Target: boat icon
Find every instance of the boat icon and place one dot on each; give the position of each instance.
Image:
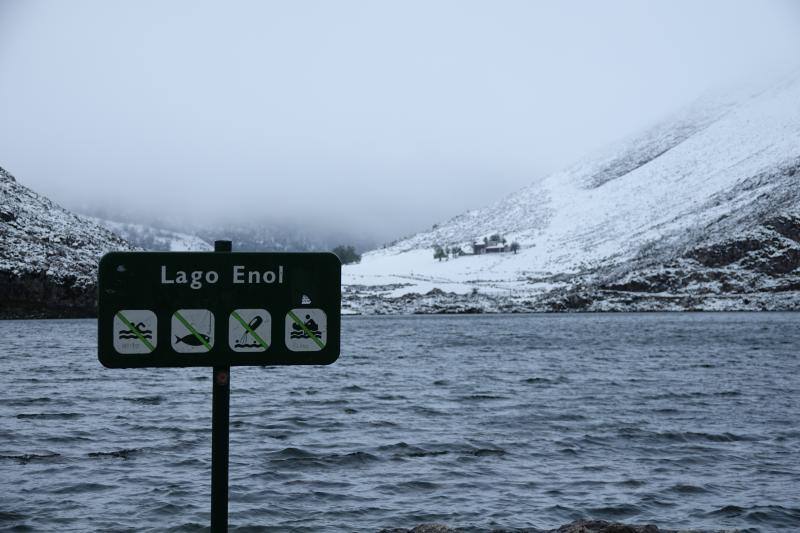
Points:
(299, 332)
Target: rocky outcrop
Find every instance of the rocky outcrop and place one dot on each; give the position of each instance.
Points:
(759, 269)
(37, 295)
(48, 256)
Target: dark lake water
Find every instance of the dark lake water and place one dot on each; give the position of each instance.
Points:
(682, 420)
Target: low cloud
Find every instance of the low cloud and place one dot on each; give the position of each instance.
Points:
(376, 119)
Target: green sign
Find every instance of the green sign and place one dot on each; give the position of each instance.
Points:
(178, 309)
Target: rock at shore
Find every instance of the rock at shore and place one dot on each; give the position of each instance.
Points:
(579, 526)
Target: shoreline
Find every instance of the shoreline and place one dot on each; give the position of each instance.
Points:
(347, 313)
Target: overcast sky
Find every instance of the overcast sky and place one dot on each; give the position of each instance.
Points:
(376, 116)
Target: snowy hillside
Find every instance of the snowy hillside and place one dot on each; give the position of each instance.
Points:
(150, 238)
(700, 212)
(48, 256)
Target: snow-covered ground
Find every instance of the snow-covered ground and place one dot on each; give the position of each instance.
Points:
(702, 176)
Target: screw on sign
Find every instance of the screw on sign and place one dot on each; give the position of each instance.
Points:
(222, 378)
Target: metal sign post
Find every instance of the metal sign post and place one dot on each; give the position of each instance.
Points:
(220, 434)
(212, 309)
(220, 440)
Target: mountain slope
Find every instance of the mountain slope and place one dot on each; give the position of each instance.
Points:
(708, 202)
(48, 256)
(151, 238)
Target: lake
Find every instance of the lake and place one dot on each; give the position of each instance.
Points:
(682, 420)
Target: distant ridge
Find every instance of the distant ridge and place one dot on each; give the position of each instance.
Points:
(252, 233)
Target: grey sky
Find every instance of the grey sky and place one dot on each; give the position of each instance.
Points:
(381, 117)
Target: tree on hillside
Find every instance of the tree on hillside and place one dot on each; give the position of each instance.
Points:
(347, 254)
(514, 246)
(438, 252)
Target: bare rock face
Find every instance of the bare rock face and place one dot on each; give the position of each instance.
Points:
(48, 256)
(757, 269)
(786, 225)
(601, 526)
(6, 176)
(727, 252)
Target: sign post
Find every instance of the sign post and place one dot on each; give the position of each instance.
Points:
(213, 309)
(220, 434)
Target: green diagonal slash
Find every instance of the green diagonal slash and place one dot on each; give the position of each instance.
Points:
(192, 330)
(247, 328)
(306, 330)
(135, 331)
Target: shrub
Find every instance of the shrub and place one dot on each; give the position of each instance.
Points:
(347, 254)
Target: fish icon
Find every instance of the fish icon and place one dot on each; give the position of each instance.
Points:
(191, 339)
(192, 330)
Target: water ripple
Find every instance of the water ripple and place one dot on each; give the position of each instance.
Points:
(519, 421)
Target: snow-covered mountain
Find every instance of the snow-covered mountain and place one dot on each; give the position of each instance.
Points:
(699, 212)
(157, 239)
(48, 256)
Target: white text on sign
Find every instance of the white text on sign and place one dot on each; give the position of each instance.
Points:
(240, 276)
